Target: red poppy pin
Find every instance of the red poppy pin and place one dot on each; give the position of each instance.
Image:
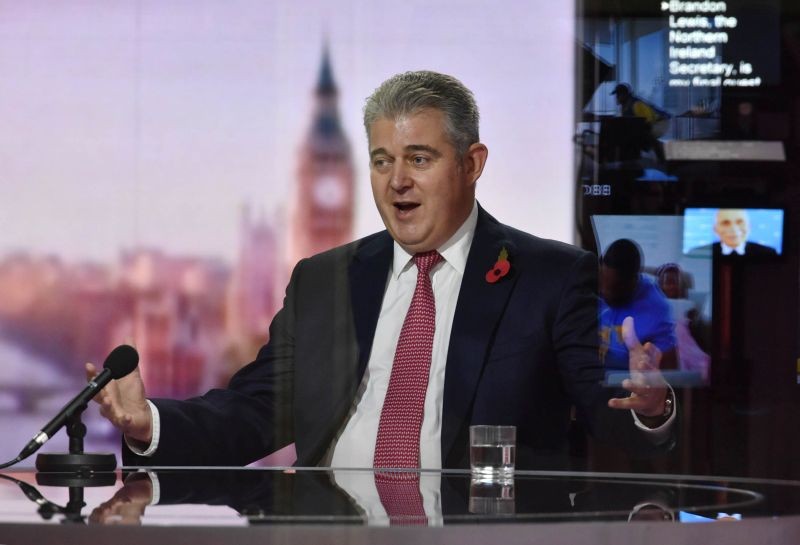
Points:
(500, 268)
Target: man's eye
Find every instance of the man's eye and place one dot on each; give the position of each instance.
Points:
(380, 163)
(419, 160)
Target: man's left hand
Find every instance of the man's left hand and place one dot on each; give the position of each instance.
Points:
(646, 384)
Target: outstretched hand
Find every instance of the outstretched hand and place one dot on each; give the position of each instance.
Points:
(123, 403)
(646, 384)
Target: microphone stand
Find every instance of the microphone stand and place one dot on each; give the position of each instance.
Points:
(76, 460)
(72, 511)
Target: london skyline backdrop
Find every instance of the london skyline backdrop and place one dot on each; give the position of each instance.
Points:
(135, 131)
(149, 124)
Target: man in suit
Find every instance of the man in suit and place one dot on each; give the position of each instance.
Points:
(387, 349)
(732, 226)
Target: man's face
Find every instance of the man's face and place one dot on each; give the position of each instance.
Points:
(732, 227)
(615, 288)
(422, 189)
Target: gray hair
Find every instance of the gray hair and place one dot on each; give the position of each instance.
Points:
(407, 93)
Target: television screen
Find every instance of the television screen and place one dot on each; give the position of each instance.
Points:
(671, 305)
(733, 232)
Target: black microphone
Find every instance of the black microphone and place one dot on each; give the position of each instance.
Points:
(121, 361)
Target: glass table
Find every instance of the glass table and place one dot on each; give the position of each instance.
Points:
(221, 505)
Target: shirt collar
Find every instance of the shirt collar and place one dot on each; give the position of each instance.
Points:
(454, 251)
(727, 250)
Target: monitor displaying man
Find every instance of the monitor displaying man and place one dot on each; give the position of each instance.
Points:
(731, 233)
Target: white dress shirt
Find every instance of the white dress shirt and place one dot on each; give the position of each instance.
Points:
(728, 250)
(355, 447)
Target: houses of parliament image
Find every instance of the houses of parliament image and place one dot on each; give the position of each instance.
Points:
(194, 319)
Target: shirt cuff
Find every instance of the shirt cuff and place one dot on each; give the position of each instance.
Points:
(151, 449)
(662, 433)
(155, 485)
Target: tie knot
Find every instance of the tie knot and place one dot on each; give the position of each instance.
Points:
(425, 261)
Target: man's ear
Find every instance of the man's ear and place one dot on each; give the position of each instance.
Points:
(474, 161)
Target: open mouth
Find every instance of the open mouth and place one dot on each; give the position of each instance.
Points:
(406, 206)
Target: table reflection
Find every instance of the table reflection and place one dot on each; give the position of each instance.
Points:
(128, 504)
(491, 496)
(347, 496)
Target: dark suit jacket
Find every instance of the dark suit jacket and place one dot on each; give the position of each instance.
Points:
(751, 249)
(522, 351)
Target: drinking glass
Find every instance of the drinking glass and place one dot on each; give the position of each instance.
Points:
(492, 451)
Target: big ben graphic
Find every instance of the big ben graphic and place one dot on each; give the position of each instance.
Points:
(322, 207)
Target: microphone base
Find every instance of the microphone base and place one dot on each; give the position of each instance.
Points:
(76, 463)
(82, 480)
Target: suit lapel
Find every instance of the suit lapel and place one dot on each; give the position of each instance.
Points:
(351, 314)
(368, 273)
(479, 308)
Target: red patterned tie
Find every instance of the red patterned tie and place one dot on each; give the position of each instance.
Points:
(397, 445)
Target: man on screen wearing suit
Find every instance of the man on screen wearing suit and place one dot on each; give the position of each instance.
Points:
(732, 226)
(372, 363)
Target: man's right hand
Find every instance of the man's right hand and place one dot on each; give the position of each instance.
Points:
(124, 404)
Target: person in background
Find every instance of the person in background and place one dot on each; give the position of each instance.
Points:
(656, 120)
(626, 291)
(690, 356)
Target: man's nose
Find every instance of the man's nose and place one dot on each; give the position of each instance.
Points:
(400, 179)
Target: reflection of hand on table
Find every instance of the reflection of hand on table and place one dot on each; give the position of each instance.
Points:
(128, 504)
(647, 387)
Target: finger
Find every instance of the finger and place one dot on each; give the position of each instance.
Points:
(91, 371)
(638, 362)
(649, 404)
(108, 412)
(116, 420)
(100, 397)
(636, 387)
(108, 394)
(653, 355)
(629, 336)
(644, 389)
(103, 397)
(648, 377)
(627, 403)
(114, 414)
(641, 405)
(121, 419)
(107, 404)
